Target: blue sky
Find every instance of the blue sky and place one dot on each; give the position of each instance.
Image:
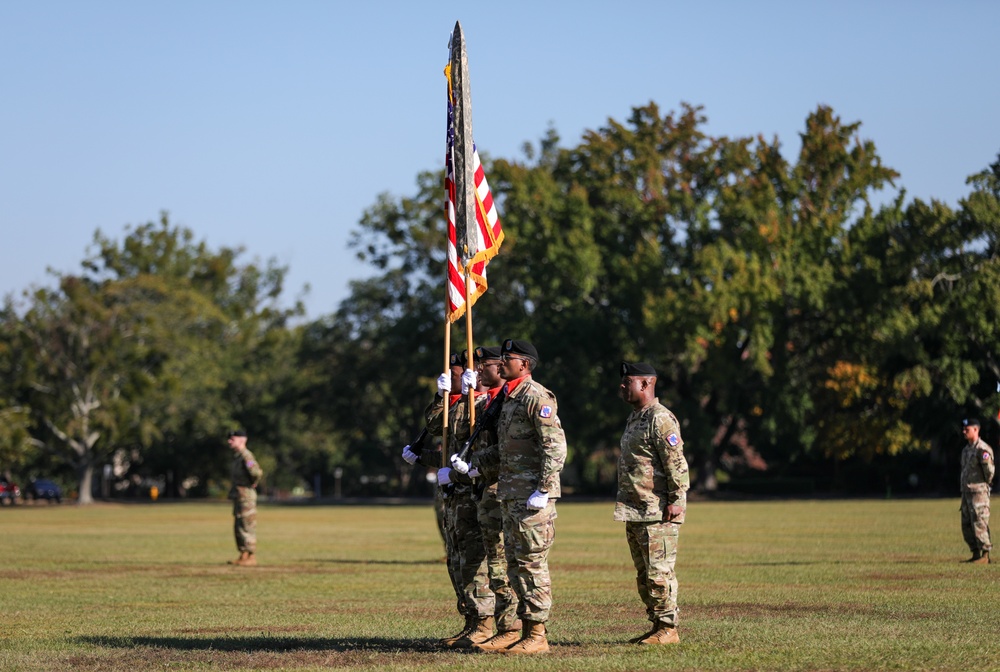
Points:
(274, 125)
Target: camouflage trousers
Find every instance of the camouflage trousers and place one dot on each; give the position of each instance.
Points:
(529, 535)
(442, 515)
(491, 523)
(976, 519)
(653, 546)
(467, 558)
(245, 520)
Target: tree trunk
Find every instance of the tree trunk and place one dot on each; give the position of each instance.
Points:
(85, 482)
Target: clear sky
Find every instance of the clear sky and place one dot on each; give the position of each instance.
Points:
(274, 125)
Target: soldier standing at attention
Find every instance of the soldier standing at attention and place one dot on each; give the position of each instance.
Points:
(467, 554)
(977, 475)
(484, 467)
(653, 482)
(532, 448)
(246, 474)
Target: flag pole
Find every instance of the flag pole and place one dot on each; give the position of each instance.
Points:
(468, 340)
(447, 396)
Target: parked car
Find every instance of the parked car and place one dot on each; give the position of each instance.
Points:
(9, 492)
(42, 488)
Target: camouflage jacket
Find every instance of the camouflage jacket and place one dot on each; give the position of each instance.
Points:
(652, 471)
(458, 430)
(977, 466)
(531, 441)
(486, 456)
(246, 472)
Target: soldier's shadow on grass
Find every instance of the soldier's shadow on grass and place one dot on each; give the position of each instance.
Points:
(345, 561)
(267, 644)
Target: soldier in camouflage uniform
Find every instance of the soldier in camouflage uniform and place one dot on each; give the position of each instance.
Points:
(652, 497)
(483, 466)
(246, 473)
(532, 449)
(466, 551)
(976, 478)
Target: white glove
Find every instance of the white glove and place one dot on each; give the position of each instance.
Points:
(538, 500)
(444, 476)
(468, 381)
(409, 456)
(444, 383)
(459, 465)
(474, 472)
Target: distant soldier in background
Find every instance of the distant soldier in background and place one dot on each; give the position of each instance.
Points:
(246, 473)
(653, 482)
(532, 454)
(976, 478)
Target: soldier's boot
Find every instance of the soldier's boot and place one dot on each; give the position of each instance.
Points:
(482, 629)
(239, 560)
(533, 640)
(636, 640)
(976, 554)
(663, 634)
(249, 561)
(501, 640)
(983, 559)
(450, 641)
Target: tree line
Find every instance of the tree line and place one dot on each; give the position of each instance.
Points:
(813, 329)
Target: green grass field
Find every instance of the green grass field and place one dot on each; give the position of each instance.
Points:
(797, 585)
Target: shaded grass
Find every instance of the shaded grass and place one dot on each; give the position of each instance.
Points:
(803, 585)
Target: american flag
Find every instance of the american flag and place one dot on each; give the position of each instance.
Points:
(483, 239)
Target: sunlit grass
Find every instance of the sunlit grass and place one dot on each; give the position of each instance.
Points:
(798, 585)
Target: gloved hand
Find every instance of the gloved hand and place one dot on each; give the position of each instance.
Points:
(474, 472)
(468, 381)
(444, 476)
(538, 500)
(409, 456)
(444, 383)
(459, 465)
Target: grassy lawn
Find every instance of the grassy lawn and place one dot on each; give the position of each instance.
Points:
(797, 585)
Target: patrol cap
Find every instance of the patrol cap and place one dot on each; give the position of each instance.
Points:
(970, 422)
(637, 369)
(236, 432)
(488, 352)
(513, 346)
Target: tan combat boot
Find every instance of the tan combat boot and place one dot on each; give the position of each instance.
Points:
(636, 640)
(239, 560)
(532, 641)
(498, 642)
(482, 629)
(249, 561)
(450, 641)
(981, 558)
(663, 634)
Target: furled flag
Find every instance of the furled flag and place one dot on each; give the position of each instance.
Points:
(474, 245)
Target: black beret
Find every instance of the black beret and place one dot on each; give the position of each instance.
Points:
(456, 359)
(488, 352)
(637, 369)
(514, 346)
(236, 432)
(970, 422)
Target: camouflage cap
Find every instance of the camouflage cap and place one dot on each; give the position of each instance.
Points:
(637, 369)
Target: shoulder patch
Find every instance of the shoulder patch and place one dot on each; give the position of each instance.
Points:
(673, 439)
(986, 456)
(250, 463)
(545, 411)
